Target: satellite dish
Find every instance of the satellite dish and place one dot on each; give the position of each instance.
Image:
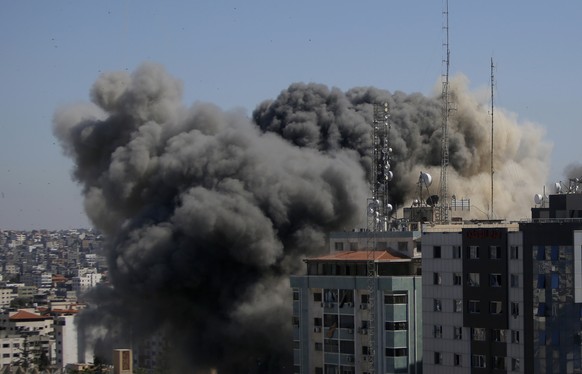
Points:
(425, 178)
(432, 200)
(387, 166)
(558, 187)
(538, 198)
(389, 208)
(389, 176)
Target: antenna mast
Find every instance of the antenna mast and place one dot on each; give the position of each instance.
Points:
(492, 170)
(379, 210)
(443, 212)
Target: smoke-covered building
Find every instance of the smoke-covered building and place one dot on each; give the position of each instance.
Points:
(505, 297)
(333, 325)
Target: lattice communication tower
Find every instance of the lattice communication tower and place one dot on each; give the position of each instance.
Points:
(379, 211)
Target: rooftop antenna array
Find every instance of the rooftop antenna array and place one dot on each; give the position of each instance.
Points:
(492, 170)
(443, 211)
(379, 211)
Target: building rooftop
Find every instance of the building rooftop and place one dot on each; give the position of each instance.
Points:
(23, 315)
(379, 256)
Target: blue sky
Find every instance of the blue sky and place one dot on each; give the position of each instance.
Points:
(237, 54)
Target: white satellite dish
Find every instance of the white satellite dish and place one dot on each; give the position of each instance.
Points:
(389, 176)
(425, 178)
(538, 198)
(389, 208)
(558, 187)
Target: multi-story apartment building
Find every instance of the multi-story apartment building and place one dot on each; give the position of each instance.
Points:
(503, 297)
(71, 346)
(334, 325)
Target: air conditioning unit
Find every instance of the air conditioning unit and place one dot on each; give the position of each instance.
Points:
(350, 331)
(364, 331)
(350, 304)
(317, 329)
(363, 306)
(350, 358)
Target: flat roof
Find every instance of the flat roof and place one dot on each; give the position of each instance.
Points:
(361, 256)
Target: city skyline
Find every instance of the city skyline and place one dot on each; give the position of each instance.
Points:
(236, 56)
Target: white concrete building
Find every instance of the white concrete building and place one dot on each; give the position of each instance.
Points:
(71, 347)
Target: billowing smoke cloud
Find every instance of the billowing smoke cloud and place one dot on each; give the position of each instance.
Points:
(314, 116)
(206, 217)
(208, 212)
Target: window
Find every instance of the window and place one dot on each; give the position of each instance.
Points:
(295, 321)
(458, 332)
(436, 278)
(495, 252)
(555, 281)
(541, 310)
(456, 251)
(317, 296)
(473, 279)
(555, 252)
(318, 346)
(365, 299)
(515, 336)
(458, 306)
(495, 307)
(514, 252)
(437, 331)
(499, 362)
(331, 345)
(296, 344)
(542, 337)
(541, 281)
(514, 280)
(295, 295)
(457, 359)
(392, 326)
(514, 309)
(498, 335)
(474, 307)
(317, 322)
(474, 252)
(541, 254)
(437, 305)
(339, 246)
(515, 364)
(556, 337)
(436, 251)
(457, 279)
(396, 352)
(495, 280)
(347, 346)
(318, 370)
(478, 361)
(353, 246)
(396, 298)
(438, 358)
(478, 334)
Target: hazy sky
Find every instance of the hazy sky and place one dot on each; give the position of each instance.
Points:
(237, 54)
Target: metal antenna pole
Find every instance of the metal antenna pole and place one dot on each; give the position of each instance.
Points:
(492, 169)
(444, 200)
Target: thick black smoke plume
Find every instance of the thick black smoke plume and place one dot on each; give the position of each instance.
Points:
(313, 116)
(206, 218)
(207, 212)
